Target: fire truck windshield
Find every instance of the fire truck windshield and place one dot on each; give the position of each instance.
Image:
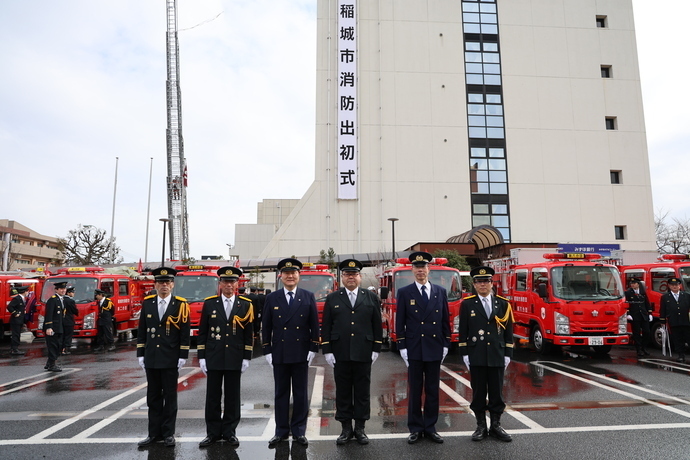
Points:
(319, 285)
(685, 276)
(83, 289)
(575, 282)
(195, 288)
(449, 279)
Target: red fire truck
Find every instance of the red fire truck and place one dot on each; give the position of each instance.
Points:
(654, 276)
(195, 283)
(125, 288)
(317, 279)
(568, 299)
(400, 275)
(8, 281)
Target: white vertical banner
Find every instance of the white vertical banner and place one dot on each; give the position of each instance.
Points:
(348, 155)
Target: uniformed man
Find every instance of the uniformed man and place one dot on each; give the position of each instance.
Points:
(675, 308)
(68, 320)
(224, 345)
(290, 337)
(162, 350)
(486, 345)
(17, 309)
(52, 325)
(104, 339)
(352, 335)
(423, 340)
(640, 315)
(258, 310)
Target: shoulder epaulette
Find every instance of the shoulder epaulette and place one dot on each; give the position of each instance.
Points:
(211, 297)
(54, 296)
(501, 297)
(244, 298)
(470, 296)
(150, 296)
(181, 299)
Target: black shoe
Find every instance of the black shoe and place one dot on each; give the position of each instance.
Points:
(434, 437)
(361, 436)
(480, 433)
(681, 359)
(344, 437)
(169, 441)
(301, 440)
(148, 441)
(47, 366)
(232, 440)
(16, 352)
(275, 440)
(498, 432)
(413, 438)
(55, 368)
(111, 348)
(208, 440)
(66, 352)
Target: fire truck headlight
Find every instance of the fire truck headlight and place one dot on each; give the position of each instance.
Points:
(562, 324)
(456, 324)
(89, 321)
(40, 322)
(623, 324)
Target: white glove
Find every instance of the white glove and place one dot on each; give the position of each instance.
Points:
(403, 355)
(445, 353)
(141, 363)
(651, 318)
(629, 318)
(310, 357)
(507, 361)
(180, 363)
(330, 359)
(374, 357)
(202, 365)
(466, 360)
(245, 365)
(269, 359)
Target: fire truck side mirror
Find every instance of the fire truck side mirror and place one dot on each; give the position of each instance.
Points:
(384, 292)
(541, 288)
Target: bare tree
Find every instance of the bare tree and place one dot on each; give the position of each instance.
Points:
(672, 237)
(88, 245)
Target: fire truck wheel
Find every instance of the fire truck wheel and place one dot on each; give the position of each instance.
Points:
(657, 336)
(538, 342)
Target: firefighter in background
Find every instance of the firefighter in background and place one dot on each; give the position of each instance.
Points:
(486, 346)
(17, 309)
(640, 315)
(68, 320)
(52, 325)
(225, 344)
(423, 339)
(258, 310)
(105, 323)
(162, 350)
(675, 308)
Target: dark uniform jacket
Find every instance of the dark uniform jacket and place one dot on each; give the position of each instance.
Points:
(70, 311)
(425, 332)
(105, 312)
(224, 342)
(290, 333)
(486, 340)
(17, 308)
(53, 316)
(162, 341)
(639, 306)
(352, 333)
(676, 312)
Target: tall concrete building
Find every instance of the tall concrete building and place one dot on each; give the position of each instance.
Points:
(522, 115)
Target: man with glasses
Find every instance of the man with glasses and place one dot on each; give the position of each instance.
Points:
(675, 309)
(52, 325)
(486, 346)
(352, 335)
(423, 340)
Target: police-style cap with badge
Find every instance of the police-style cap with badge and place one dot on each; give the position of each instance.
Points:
(164, 274)
(635, 280)
(99, 291)
(482, 273)
(229, 273)
(60, 284)
(70, 288)
(674, 281)
(350, 265)
(21, 289)
(289, 264)
(420, 258)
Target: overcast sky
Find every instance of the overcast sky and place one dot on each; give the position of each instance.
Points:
(83, 82)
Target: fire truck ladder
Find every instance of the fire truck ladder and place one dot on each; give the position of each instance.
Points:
(177, 168)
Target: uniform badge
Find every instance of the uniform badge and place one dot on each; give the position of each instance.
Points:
(153, 336)
(153, 329)
(213, 316)
(148, 316)
(276, 308)
(218, 337)
(214, 312)
(412, 302)
(474, 339)
(472, 313)
(481, 338)
(481, 331)
(148, 329)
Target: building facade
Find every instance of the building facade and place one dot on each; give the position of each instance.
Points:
(522, 115)
(25, 249)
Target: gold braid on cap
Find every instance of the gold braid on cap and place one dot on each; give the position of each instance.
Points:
(246, 319)
(182, 316)
(501, 322)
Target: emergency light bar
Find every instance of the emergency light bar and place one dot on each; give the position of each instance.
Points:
(434, 261)
(675, 256)
(572, 256)
(196, 267)
(81, 270)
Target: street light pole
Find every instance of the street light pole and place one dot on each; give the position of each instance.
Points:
(165, 221)
(393, 221)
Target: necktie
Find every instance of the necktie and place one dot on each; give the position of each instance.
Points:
(291, 294)
(161, 309)
(353, 299)
(425, 297)
(227, 308)
(487, 307)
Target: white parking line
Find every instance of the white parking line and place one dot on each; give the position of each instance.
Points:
(53, 376)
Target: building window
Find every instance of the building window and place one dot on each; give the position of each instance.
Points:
(602, 22)
(620, 232)
(616, 177)
(611, 123)
(606, 71)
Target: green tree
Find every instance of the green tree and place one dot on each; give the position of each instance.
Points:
(328, 257)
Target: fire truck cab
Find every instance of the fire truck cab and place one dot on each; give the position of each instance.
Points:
(568, 299)
(317, 279)
(195, 283)
(8, 281)
(400, 275)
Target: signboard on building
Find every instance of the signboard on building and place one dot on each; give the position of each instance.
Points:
(348, 155)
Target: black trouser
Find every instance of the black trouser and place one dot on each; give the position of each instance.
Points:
(226, 384)
(16, 329)
(641, 334)
(293, 375)
(680, 336)
(352, 390)
(53, 344)
(161, 397)
(423, 376)
(67, 334)
(485, 378)
(105, 335)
